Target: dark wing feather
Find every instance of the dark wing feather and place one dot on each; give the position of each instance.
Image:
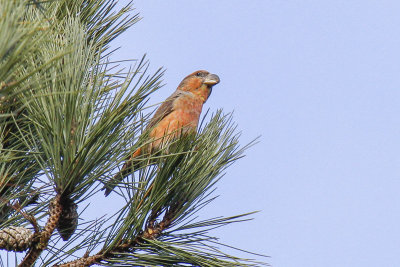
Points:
(166, 108)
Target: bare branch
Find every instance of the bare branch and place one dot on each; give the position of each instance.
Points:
(42, 238)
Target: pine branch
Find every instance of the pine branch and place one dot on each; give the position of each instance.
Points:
(42, 238)
(169, 194)
(69, 118)
(152, 231)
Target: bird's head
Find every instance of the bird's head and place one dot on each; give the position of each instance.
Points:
(199, 83)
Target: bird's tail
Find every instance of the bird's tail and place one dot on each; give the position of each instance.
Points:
(128, 168)
(110, 185)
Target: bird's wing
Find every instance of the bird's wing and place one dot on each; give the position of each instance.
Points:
(166, 108)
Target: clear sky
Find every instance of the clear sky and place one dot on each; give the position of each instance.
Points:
(320, 82)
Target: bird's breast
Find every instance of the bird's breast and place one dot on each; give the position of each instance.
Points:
(186, 114)
(183, 119)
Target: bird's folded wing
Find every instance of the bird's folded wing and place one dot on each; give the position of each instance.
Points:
(166, 108)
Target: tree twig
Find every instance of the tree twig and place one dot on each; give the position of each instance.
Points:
(41, 239)
(152, 231)
(16, 206)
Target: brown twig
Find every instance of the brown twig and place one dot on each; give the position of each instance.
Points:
(41, 239)
(3, 84)
(16, 206)
(152, 231)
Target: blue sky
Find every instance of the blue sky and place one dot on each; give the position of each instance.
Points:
(319, 81)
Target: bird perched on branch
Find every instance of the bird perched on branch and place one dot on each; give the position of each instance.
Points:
(178, 115)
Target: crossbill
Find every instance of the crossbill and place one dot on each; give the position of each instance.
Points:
(178, 115)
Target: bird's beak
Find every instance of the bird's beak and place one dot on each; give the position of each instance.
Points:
(211, 79)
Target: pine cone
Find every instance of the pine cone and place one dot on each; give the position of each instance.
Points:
(15, 238)
(68, 220)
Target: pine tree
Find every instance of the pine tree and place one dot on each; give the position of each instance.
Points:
(69, 117)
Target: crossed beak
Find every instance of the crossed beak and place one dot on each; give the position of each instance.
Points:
(211, 79)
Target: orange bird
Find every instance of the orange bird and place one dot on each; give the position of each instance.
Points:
(178, 115)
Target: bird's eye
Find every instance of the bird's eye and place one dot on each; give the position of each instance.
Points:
(199, 74)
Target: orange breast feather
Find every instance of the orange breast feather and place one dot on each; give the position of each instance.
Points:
(183, 119)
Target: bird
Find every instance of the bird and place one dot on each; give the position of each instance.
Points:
(177, 116)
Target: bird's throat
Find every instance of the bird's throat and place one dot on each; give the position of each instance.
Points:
(203, 92)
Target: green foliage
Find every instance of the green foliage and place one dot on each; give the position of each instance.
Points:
(21, 34)
(68, 119)
(181, 183)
